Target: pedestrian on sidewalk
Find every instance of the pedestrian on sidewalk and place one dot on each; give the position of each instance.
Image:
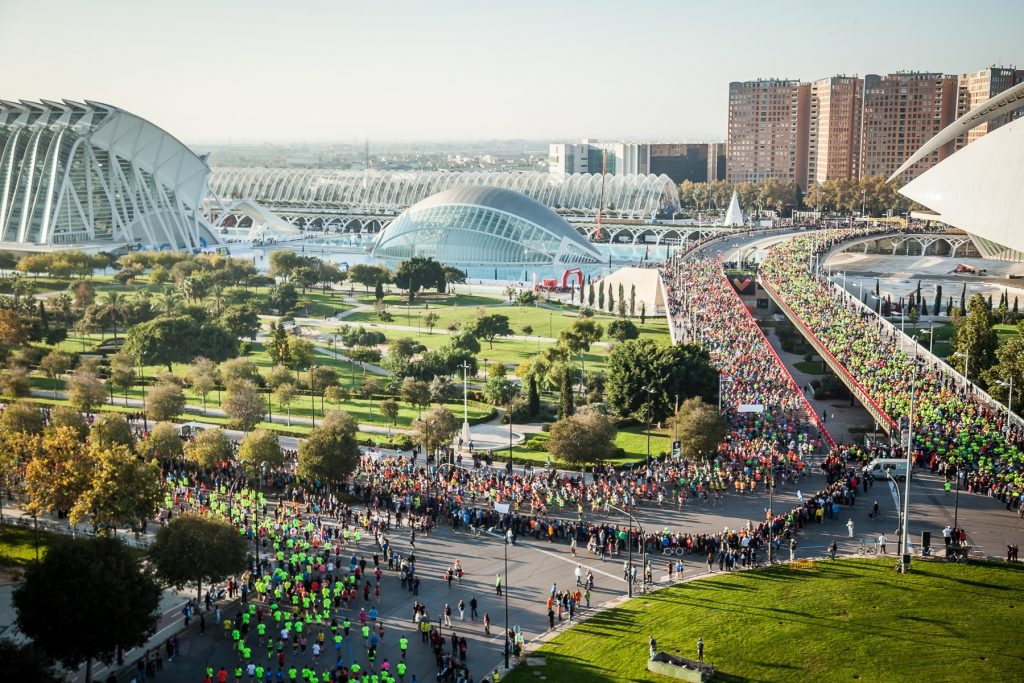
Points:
(849, 527)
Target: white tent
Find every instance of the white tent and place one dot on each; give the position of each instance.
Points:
(734, 217)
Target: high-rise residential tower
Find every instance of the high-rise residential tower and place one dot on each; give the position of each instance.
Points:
(768, 124)
(980, 86)
(901, 112)
(833, 147)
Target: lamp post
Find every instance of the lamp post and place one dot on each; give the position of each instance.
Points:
(966, 355)
(505, 591)
(650, 418)
(312, 395)
(904, 552)
(142, 383)
(1009, 405)
(629, 544)
(722, 379)
(465, 403)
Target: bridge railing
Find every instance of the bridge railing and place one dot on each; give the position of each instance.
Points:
(880, 416)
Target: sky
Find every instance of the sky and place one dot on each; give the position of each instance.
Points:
(219, 71)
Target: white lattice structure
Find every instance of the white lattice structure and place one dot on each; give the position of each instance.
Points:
(629, 196)
(76, 173)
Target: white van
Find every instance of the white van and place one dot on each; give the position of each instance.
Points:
(897, 468)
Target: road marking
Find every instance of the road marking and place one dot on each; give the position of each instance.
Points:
(572, 560)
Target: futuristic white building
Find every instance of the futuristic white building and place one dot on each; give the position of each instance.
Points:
(479, 226)
(617, 196)
(978, 189)
(92, 175)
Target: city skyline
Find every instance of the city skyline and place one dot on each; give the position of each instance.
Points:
(319, 72)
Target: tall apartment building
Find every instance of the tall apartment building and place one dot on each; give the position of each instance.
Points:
(768, 131)
(833, 144)
(568, 158)
(980, 86)
(901, 112)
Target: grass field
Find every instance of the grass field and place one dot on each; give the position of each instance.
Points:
(836, 621)
(632, 440)
(17, 545)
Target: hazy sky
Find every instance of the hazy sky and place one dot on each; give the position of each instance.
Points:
(339, 70)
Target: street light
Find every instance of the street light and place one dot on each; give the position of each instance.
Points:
(650, 418)
(629, 545)
(465, 404)
(1009, 404)
(966, 355)
(505, 591)
(312, 394)
(904, 552)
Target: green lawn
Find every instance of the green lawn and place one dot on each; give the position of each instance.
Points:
(943, 344)
(836, 621)
(18, 545)
(810, 367)
(633, 440)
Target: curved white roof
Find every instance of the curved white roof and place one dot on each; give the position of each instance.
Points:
(76, 172)
(978, 189)
(1005, 102)
(629, 196)
(480, 225)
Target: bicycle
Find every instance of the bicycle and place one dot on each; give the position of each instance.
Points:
(867, 548)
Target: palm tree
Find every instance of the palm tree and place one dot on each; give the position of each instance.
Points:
(114, 308)
(168, 301)
(216, 295)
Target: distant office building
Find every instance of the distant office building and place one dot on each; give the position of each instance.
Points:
(901, 112)
(981, 86)
(768, 123)
(833, 145)
(697, 162)
(588, 156)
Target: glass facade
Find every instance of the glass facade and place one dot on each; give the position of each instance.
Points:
(468, 234)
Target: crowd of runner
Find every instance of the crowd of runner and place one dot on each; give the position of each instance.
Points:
(954, 431)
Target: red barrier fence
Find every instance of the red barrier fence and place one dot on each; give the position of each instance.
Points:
(833, 362)
(814, 415)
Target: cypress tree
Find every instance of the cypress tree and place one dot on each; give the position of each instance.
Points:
(963, 300)
(43, 320)
(533, 398)
(590, 295)
(924, 307)
(565, 401)
(1015, 305)
(938, 299)
(878, 292)
(990, 302)
(600, 296)
(378, 291)
(643, 311)
(611, 301)
(632, 300)
(622, 292)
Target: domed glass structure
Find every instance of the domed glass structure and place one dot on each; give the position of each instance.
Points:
(480, 226)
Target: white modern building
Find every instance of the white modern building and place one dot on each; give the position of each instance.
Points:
(978, 189)
(90, 175)
(592, 156)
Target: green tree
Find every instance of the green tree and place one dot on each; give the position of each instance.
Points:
(436, 428)
(111, 429)
(585, 438)
(58, 472)
(285, 394)
(76, 580)
(566, 403)
(85, 391)
(1009, 367)
(499, 391)
(260, 446)
(202, 377)
(632, 300)
(162, 443)
(193, 549)
(208, 448)
(122, 372)
(700, 428)
(239, 368)
(331, 451)
(975, 338)
(418, 273)
(611, 300)
(590, 295)
(27, 663)
(244, 404)
(21, 417)
(488, 327)
(15, 382)
(622, 330)
(369, 276)
(415, 392)
(683, 370)
(124, 490)
(600, 295)
(466, 340)
(282, 298)
(62, 416)
(179, 339)
(53, 365)
(278, 348)
(430, 321)
(580, 335)
(533, 397)
(165, 400)
(389, 409)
